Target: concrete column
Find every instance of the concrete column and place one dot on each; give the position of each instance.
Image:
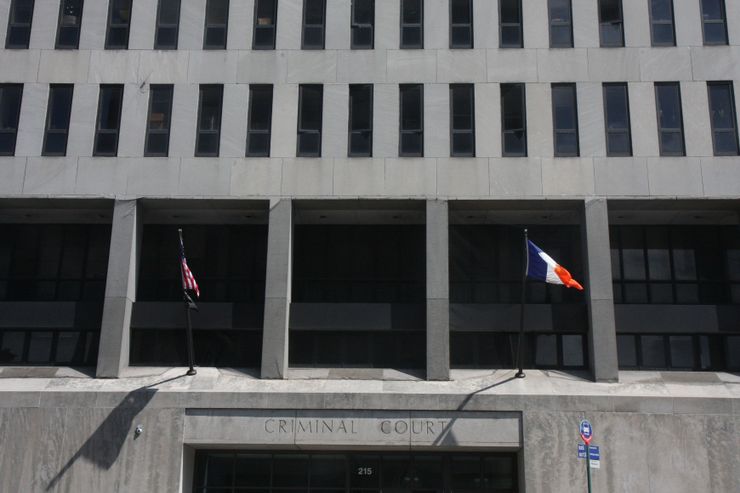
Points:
(602, 337)
(438, 291)
(277, 289)
(120, 289)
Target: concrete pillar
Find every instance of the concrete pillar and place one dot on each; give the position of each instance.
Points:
(438, 291)
(120, 289)
(278, 289)
(602, 340)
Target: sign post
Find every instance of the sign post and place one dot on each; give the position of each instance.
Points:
(587, 433)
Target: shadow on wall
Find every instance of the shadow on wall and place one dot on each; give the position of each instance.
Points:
(104, 446)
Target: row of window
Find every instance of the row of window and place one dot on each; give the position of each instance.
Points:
(313, 32)
(360, 126)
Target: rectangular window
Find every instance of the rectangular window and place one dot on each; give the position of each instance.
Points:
(168, 25)
(119, 20)
(723, 117)
(412, 24)
(109, 120)
(217, 20)
(411, 138)
(70, 20)
(159, 120)
(363, 24)
(561, 23)
(10, 111)
(19, 24)
(662, 31)
(617, 120)
(670, 119)
(462, 120)
(611, 23)
(461, 23)
(57, 119)
(565, 119)
(360, 120)
(513, 120)
(210, 101)
(265, 24)
(511, 34)
(310, 103)
(714, 22)
(314, 24)
(260, 120)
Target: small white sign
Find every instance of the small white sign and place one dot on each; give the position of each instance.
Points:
(595, 464)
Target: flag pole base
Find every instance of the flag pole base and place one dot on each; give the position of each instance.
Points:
(191, 372)
(520, 374)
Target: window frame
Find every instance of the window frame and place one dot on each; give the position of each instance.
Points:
(680, 130)
(558, 131)
(471, 93)
(350, 131)
(12, 25)
(47, 129)
(519, 25)
(569, 24)
(161, 25)
(304, 131)
(722, 21)
(157, 131)
(607, 131)
(14, 132)
(602, 44)
(268, 131)
(76, 45)
(419, 25)
(200, 131)
(212, 25)
(654, 23)
(731, 91)
(305, 25)
(256, 26)
(359, 25)
(109, 25)
(99, 131)
(468, 46)
(401, 130)
(504, 130)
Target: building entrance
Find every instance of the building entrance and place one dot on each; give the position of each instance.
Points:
(289, 472)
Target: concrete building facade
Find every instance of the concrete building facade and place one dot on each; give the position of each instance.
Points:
(357, 329)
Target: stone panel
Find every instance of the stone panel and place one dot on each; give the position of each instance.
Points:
(507, 65)
(262, 67)
(568, 176)
(675, 176)
(488, 120)
(32, 120)
(461, 65)
(516, 177)
(462, 177)
(43, 26)
(412, 66)
(436, 120)
(64, 66)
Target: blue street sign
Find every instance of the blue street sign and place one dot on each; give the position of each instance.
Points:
(593, 452)
(586, 429)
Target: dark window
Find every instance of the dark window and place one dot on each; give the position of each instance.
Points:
(461, 23)
(510, 23)
(561, 23)
(265, 24)
(462, 120)
(109, 120)
(217, 21)
(19, 24)
(209, 120)
(57, 119)
(168, 25)
(670, 119)
(617, 120)
(260, 120)
(363, 24)
(314, 24)
(714, 22)
(565, 119)
(70, 20)
(662, 31)
(310, 104)
(411, 138)
(119, 20)
(360, 120)
(10, 110)
(513, 120)
(412, 24)
(159, 120)
(611, 23)
(723, 117)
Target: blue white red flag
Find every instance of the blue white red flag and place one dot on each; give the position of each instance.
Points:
(542, 267)
(188, 279)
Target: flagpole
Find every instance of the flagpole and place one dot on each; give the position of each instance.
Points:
(519, 359)
(188, 306)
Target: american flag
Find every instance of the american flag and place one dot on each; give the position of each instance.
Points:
(188, 279)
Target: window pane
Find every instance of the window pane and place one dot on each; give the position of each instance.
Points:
(310, 107)
(411, 37)
(462, 107)
(619, 144)
(670, 106)
(11, 349)
(722, 112)
(362, 37)
(66, 347)
(110, 107)
(661, 10)
(460, 11)
(411, 107)
(252, 471)
(411, 12)
(653, 352)
(70, 18)
(210, 108)
(715, 33)
(313, 37)
(39, 348)
(328, 471)
(510, 11)
(314, 11)
(572, 350)
(617, 111)
(663, 34)
(169, 11)
(511, 37)
(217, 12)
(290, 471)
(260, 107)
(626, 351)
(682, 352)
(264, 37)
(546, 350)
(565, 118)
(361, 107)
(712, 9)
(363, 11)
